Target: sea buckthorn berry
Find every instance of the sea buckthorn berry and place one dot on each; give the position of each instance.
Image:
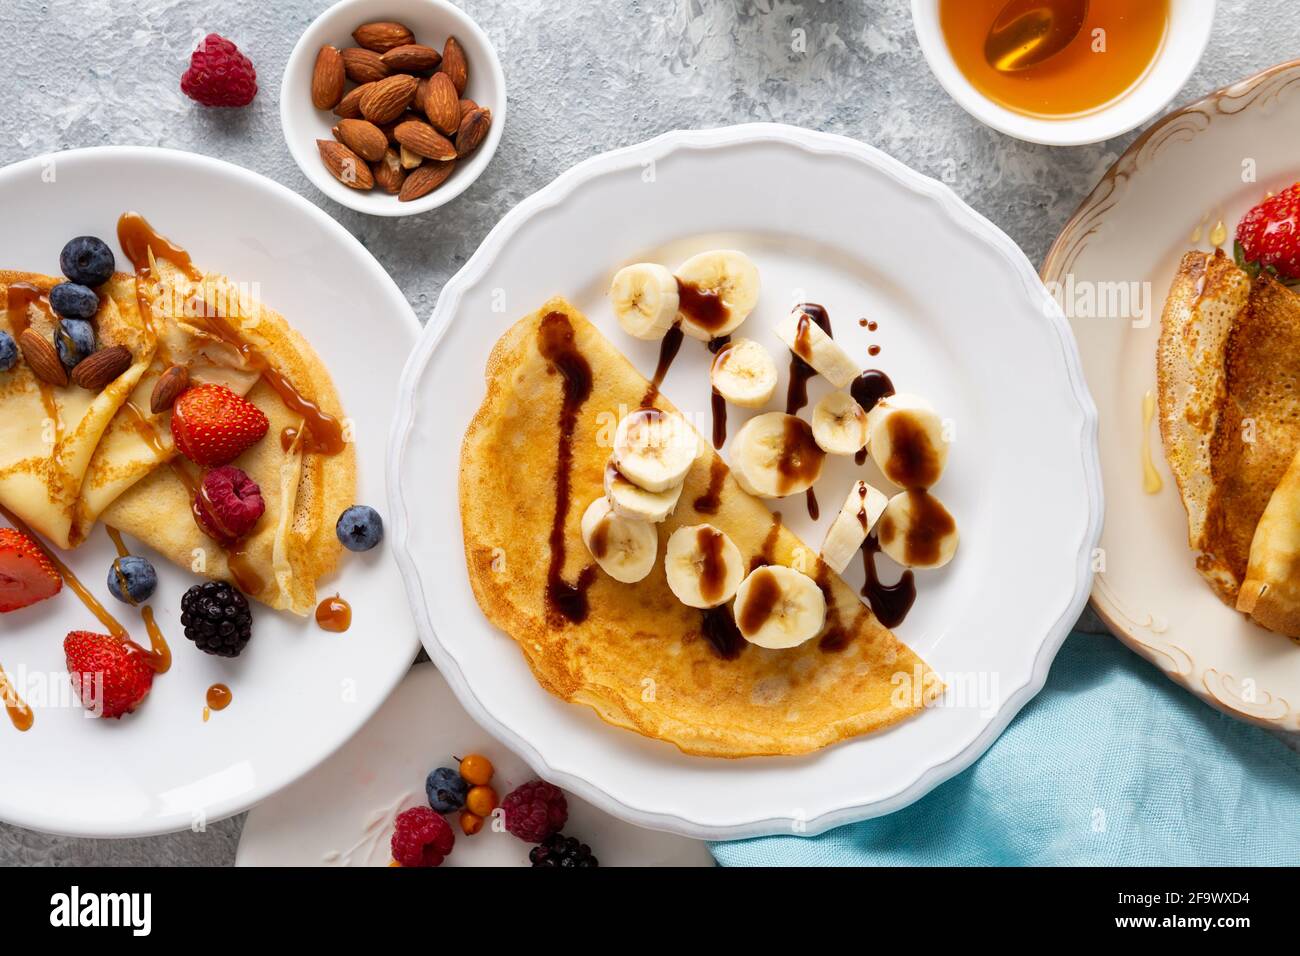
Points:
(476, 769)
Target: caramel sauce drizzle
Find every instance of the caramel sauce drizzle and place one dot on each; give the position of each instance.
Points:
(218, 697)
(137, 239)
(334, 614)
(20, 715)
(21, 296)
(109, 622)
(160, 654)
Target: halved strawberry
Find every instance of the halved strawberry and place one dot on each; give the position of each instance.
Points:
(110, 675)
(26, 574)
(1268, 236)
(212, 425)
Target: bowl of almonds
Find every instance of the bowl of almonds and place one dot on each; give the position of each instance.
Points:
(393, 107)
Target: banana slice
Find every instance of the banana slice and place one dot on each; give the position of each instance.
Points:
(644, 297)
(718, 291)
(703, 566)
(805, 338)
(839, 424)
(654, 449)
(862, 509)
(905, 438)
(774, 455)
(631, 501)
(917, 531)
(625, 548)
(779, 607)
(744, 373)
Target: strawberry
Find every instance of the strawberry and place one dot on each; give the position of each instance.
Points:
(212, 425)
(110, 675)
(26, 574)
(1268, 236)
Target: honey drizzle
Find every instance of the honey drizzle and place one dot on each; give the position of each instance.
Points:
(110, 623)
(160, 653)
(1151, 481)
(334, 614)
(16, 307)
(218, 697)
(20, 715)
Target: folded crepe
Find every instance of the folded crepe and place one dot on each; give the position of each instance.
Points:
(1271, 592)
(210, 323)
(1228, 370)
(112, 460)
(49, 433)
(640, 658)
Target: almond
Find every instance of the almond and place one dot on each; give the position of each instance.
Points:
(454, 64)
(423, 140)
(409, 159)
(465, 107)
(412, 58)
(327, 78)
(41, 358)
(425, 180)
(363, 66)
(441, 105)
(168, 388)
(382, 35)
(344, 165)
(350, 106)
(389, 174)
(473, 128)
(365, 139)
(98, 369)
(388, 98)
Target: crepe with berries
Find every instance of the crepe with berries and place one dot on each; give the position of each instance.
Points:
(49, 433)
(306, 480)
(640, 658)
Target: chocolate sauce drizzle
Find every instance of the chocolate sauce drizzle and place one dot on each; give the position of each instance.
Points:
(707, 503)
(668, 347)
(565, 601)
(717, 347)
(889, 602)
(720, 630)
(796, 395)
(867, 390)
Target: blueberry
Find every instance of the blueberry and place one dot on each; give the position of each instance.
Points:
(72, 301)
(446, 790)
(8, 352)
(87, 260)
(74, 339)
(360, 528)
(132, 579)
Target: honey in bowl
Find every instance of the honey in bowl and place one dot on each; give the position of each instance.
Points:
(1111, 53)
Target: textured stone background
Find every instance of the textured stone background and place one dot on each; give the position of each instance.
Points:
(583, 78)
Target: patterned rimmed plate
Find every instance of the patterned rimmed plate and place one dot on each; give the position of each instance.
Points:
(1182, 185)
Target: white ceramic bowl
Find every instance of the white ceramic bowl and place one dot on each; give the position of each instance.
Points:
(432, 21)
(1190, 23)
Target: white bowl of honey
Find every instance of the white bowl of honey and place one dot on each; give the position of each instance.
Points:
(1063, 72)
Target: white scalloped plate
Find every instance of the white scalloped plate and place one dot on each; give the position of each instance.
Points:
(1178, 180)
(299, 692)
(962, 319)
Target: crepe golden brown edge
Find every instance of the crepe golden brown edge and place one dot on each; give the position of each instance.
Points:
(640, 660)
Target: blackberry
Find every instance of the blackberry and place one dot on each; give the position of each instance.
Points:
(217, 618)
(564, 852)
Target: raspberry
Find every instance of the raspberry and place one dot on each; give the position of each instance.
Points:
(219, 75)
(535, 810)
(421, 838)
(229, 504)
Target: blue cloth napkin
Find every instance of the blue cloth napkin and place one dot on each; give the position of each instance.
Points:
(1112, 764)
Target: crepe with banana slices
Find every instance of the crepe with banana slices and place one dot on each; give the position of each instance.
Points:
(1229, 385)
(634, 653)
(49, 433)
(305, 466)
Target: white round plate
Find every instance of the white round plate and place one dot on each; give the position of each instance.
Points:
(299, 692)
(1201, 166)
(962, 319)
(355, 795)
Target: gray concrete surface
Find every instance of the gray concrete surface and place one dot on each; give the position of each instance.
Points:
(583, 78)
